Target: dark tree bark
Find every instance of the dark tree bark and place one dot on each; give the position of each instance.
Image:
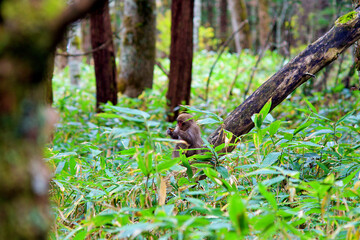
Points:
(104, 59)
(26, 50)
(223, 20)
(210, 12)
(138, 39)
(181, 54)
(314, 58)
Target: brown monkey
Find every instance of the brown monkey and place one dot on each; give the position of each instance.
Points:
(187, 130)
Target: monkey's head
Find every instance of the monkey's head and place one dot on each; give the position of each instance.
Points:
(184, 121)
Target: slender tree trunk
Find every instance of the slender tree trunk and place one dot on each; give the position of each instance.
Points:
(49, 73)
(74, 48)
(137, 47)
(104, 59)
(86, 38)
(223, 21)
(264, 22)
(197, 21)
(210, 12)
(314, 58)
(181, 54)
(238, 12)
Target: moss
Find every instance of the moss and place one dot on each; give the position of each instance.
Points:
(346, 18)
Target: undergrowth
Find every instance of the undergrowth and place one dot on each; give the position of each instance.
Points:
(294, 176)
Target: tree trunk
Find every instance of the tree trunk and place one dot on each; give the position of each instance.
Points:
(181, 54)
(86, 38)
(238, 12)
(25, 53)
(315, 57)
(197, 22)
(356, 3)
(223, 21)
(264, 22)
(49, 73)
(74, 48)
(137, 47)
(210, 13)
(104, 59)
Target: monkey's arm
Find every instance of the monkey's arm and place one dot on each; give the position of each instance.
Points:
(172, 133)
(191, 136)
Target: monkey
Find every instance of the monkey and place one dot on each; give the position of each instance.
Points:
(187, 130)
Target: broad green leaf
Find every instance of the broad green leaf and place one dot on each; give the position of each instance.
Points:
(273, 181)
(60, 185)
(165, 165)
(266, 109)
(270, 159)
(268, 196)
(349, 178)
(131, 111)
(60, 167)
(274, 126)
(208, 121)
(80, 235)
(238, 214)
(303, 126)
(186, 164)
(123, 132)
(223, 171)
(262, 171)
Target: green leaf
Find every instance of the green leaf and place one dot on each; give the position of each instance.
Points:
(238, 214)
(186, 164)
(131, 111)
(270, 159)
(266, 109)
(345, 117)
(303, 126)
(165, 165)
(123, 132)
(80, 235)
(206, 121)
(268, 196)
(274, 127)
(223, 171)
(347, 180)
(310, 105)
(60, 167)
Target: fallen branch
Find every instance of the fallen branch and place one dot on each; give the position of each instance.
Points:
(303, 67)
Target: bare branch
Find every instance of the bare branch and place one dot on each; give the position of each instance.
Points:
(102, 46)
(71, 13)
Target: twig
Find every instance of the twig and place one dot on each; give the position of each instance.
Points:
(309, 74)
(261, 55)
(235, 78)
(162, 69)
(222, 47)
(102, 46)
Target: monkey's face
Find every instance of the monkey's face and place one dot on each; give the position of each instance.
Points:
(184, 125)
